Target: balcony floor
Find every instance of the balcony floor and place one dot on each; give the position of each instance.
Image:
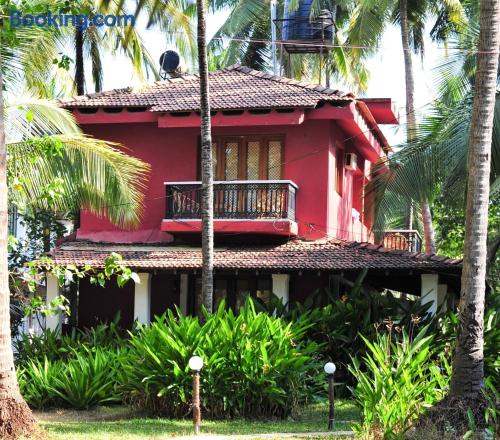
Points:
(234, 226)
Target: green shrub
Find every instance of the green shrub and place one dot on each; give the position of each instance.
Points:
(397, 380)
(255, 365)
(36, 382)
(87, 379)
(339, 323)
(52, 346)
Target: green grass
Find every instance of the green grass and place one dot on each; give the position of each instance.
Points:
(121, 423)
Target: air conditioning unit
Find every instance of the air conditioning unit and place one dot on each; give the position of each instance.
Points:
(351, 161)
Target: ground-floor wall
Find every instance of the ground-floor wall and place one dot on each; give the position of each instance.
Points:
(159, 291)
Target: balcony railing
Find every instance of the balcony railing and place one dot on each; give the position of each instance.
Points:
(404, 239)
(242, 199)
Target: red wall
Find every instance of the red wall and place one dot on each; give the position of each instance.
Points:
(309, 161)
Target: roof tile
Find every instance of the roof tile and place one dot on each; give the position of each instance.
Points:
(294, 255)
(235, 87)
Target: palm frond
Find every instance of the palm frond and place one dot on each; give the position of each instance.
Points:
(68, 172)
(26, 116)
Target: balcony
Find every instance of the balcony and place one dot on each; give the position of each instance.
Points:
(404, 239)
(244, 206)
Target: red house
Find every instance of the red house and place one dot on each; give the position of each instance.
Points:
(291, 162)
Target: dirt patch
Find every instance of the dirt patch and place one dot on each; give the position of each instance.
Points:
(16, 419)
(98, 414)
(452, 418)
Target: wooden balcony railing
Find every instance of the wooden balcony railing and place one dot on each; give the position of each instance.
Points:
(404, 239)
(242, 199)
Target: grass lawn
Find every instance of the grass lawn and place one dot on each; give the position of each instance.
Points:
(121, 423)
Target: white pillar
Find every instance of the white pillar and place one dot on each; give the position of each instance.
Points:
(442, 291)
(142, 299)
(281, 283)
(183, 293)
(429, 291)
(52, 322)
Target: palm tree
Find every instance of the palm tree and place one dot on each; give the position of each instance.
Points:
(45, 147)
(91, 41)
(15, 416)
(207, 195)
(85, 172)
(411, 17)
(89, 172)
(251, 20)
(468, 364)
(434, 164)
(173, 17)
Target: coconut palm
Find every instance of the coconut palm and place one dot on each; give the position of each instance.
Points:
(468, 363)
(172, 16)
(207, 195)
(368, 23)
(62, 171)
(435, 162)
(251, 20)
(53, 166)
(49, 163)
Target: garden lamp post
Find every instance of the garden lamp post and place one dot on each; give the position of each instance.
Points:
(330, 371)
(196, 364)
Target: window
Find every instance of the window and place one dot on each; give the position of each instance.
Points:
(339, 164)
(248, 158)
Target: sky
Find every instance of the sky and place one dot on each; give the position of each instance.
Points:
(387, 78)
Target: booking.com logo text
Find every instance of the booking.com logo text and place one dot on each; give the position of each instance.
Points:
(82, 21)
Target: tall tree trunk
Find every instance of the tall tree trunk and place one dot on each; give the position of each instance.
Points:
(207, 195)
(15, 416)
(429, 238)
(468, 362)
(411, 124)
(79, 65)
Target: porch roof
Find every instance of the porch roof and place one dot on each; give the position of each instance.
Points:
(291, 256)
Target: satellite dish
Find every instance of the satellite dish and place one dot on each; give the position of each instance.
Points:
(169, 61)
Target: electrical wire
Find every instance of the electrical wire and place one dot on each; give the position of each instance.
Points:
(304, 43)
(280, 164)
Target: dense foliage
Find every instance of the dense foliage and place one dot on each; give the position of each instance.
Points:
(397, 379)
(85, 380)
(256, 365)
(338, 325)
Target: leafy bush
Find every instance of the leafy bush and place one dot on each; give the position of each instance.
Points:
(87, 379)
(255, 364)
(36, 381)
(52, 346)
(397, 379)
(339, 324)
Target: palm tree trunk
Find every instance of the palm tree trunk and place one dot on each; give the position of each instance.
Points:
(467, 377)
(429, 238)
(15, 415)
(411, 124)
(207, 195)
(79, 65)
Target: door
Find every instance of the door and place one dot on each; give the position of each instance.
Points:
(246, 158)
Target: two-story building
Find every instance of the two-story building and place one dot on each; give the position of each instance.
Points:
(291, 160)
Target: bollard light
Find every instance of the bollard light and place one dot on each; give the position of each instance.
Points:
(196, 364)
(330, 369)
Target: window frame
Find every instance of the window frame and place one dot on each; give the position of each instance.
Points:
(243, 140)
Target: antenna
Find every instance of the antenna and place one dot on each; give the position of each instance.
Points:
(169, 63)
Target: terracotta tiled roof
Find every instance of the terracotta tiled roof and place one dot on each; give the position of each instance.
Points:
(294, 255)
(235, 87)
